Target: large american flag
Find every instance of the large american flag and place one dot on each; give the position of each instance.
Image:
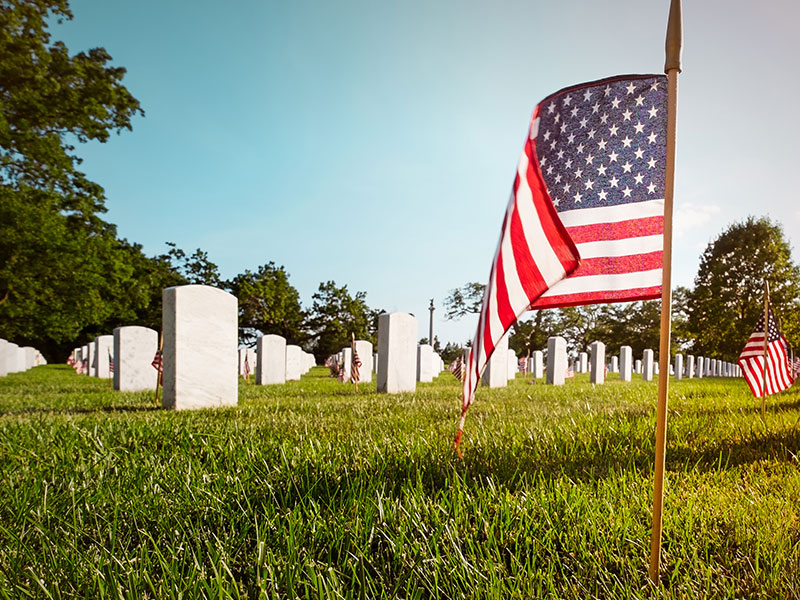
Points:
(779, 373)
(602, 151)
(596, 157)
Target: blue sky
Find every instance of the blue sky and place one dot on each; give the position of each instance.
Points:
(375, 143)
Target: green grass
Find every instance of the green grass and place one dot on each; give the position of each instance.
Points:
(310, 490)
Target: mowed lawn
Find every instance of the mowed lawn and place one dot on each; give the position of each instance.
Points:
(312, 490)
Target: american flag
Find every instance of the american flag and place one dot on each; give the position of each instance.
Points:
(595, 154)
(602, 151)
(246, 366)
(158, 362)
(457, 368)
(355, 364)
(779, 376)
(110, 362)
(522, 363)
(570, 373)
(796, 367)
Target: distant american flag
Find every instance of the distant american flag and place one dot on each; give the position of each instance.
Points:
(246, 366)
(457, 368)
(355, 365)
(778, 372)
(158, 362)
(110, 362)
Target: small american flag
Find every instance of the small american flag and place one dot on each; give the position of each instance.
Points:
(457, 368)
(246, 366)
(778, 370)
(570, 372)
(523, 365)
(355, 364)
(796, 367)
(82, 366)
(158, 362)
(110, 362)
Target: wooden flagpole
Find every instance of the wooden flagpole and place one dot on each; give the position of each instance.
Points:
(161, 370)
(353, 356)
(672, 67)
(766, 352)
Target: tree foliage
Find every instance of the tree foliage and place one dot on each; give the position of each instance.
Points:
(464, 300)
(335, 315)
(50, 98)
(268, 304)
(728, 296)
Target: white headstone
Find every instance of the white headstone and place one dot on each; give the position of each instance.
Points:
(200, 339)
(512, 364)
(689, 366)
(614, 364)
(496, 373)
(271, 362)
(583, 362)
(625, 363)
(347, 362)
(4, 344)
(556, 360)
(91, 366)
(598, 366)
(134, 350)
(637, 366)
(364, 350)
(537, 368)
(647, 365)
(104, 345)
(679, 366)
(375, 362)
(250, 355)
(424, 363)
(28, 357)
(397, 353)
(294, 362)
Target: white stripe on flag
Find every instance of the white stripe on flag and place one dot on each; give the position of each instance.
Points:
(612, 214)
(597, 283)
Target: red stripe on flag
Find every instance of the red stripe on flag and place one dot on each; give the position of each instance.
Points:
(613, 265)
(617, 231)
(645, 293)
(529, 274)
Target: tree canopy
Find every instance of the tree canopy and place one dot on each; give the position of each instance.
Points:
(268, 304)
(335, 315)
(728, 295)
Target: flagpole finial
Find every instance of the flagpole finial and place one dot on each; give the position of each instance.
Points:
(674, 44)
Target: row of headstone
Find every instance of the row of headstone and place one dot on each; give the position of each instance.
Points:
(200, 359)
(16, 359)
(126, 356)
(594, 362)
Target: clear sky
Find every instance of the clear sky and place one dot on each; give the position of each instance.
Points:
(375, 143)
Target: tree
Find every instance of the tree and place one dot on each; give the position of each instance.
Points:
(531, 334)
(268, 304)
(464, 300)
(195, 269)
(50, 98)
(728, 296)
(335, 315)
(61, 267)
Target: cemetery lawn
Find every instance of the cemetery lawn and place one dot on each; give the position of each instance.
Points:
(311, 490)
